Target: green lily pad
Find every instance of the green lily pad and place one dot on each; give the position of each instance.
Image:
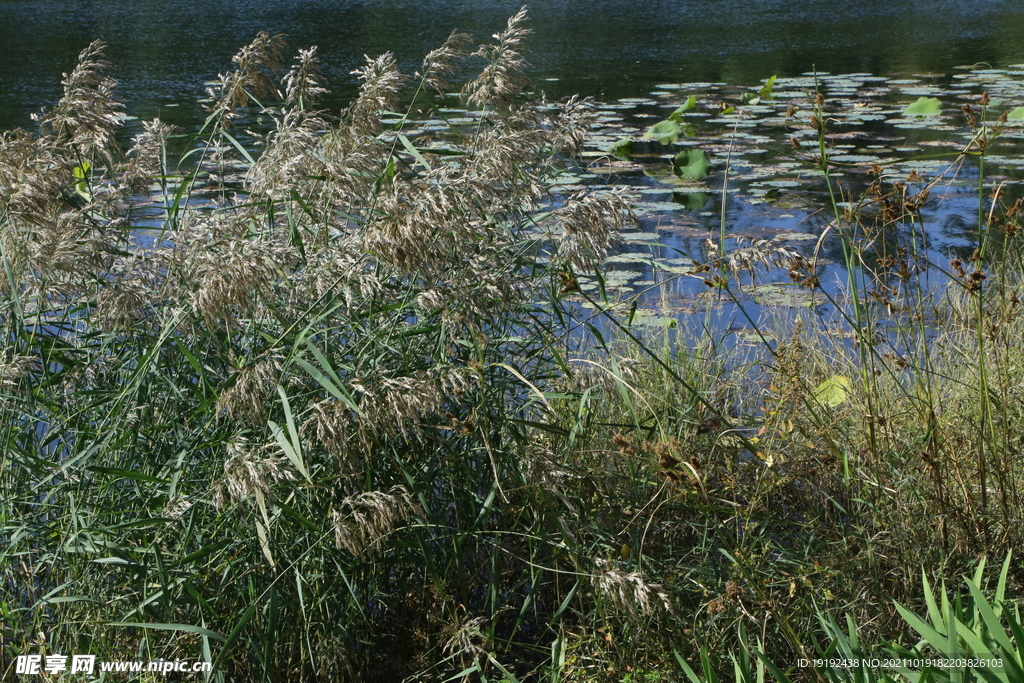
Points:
(692, 201)
(665, 132)
(621, 148)
(691, 164)
(925, 106)
(690, 103)
(787, 296)
(795, 237)
(648, 318)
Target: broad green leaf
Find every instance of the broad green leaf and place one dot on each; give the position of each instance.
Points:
(693, 201)
(766, 90)
(689, 104)
(621, 148)
(925, 106)
(691, 164)
(665, 132)
(833, 391)
(81, 172)
(1016, 115)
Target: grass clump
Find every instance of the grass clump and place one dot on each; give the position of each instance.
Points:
(282, 429)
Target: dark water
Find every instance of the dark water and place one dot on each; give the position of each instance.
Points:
(164, 51)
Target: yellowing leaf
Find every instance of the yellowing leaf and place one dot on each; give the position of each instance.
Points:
(833, 391)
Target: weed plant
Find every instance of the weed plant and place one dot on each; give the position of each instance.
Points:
(810, 479)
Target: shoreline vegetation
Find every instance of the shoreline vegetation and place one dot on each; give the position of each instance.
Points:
(341, 416)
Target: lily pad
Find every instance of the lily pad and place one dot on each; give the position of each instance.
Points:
(925, 106)
(692, 201)
(665, 132)
(621, 148)
(795, 237)
(691, 164)
(784, 295)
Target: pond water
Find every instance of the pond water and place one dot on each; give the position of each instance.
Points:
(164, 50)
(778, 218)
(640, 59)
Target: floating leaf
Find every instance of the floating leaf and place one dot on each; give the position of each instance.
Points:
(691, 164)
(833, 391)
(665, 132)
(795, 237)
(1016, 115)
(925, 106)
(621, 148)
(784, 295)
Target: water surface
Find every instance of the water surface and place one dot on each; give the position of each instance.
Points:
(164, 51)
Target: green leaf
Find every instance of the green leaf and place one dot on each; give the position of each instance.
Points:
(621, 148)
(691, 164)
(766, 91)
(693, 201)
(82, 170)
(81, 173)
(127, 474)
(1016, 115)
(833, 391)
(689, 104)
(189, 628)
(665, 132)
(925, 106)
(411, 148)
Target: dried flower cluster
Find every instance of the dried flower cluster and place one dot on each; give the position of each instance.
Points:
(629, 593)
(258, 63)
(366, 518)
(502, 79)
(467, 640)
(767, 253)
(250, 471)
